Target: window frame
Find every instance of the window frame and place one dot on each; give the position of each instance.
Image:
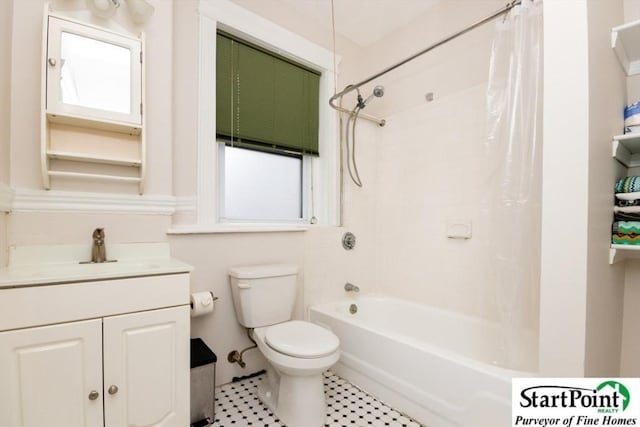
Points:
(323, 171)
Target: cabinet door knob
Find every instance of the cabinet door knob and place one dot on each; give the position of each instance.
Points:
(94, 395)
(113, 389)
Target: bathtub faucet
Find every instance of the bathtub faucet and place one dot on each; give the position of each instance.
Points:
(349, 287)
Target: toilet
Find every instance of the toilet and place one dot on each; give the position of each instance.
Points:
(298, 352)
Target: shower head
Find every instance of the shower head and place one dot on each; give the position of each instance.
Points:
(378, 91)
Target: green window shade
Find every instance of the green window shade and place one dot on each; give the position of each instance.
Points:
(265, 101)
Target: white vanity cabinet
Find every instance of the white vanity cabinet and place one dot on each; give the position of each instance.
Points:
(110, 353)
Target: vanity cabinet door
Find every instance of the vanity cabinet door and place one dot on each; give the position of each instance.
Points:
(52, 376)
(146, 368)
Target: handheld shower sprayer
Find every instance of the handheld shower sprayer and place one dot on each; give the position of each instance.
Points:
(378, 92)
(352, 167)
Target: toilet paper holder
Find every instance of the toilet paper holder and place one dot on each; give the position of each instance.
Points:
(213, 299)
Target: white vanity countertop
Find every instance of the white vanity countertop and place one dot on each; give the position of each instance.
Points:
(45, 265)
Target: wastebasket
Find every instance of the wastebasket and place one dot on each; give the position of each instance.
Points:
(203, 380)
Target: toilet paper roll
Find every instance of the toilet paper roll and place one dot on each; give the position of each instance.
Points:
(201, 303)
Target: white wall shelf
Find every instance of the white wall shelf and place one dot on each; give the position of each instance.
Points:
(95, 176)
(75, 157)
(85, 122)
(87, 133)
(624, 41)
(626, 149)
(619, 253)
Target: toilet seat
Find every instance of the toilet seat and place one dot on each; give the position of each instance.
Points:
(306, 340)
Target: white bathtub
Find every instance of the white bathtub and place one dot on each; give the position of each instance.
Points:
(437, 366)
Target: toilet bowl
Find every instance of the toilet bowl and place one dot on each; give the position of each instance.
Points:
(297, 352)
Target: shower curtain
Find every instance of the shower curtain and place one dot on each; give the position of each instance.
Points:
(513, 200)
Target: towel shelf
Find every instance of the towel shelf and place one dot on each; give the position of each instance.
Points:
(626, 149)
(619, 253)
(624, 43)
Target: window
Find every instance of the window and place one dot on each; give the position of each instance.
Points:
(267, 119)
(259, 185)
(320, 189)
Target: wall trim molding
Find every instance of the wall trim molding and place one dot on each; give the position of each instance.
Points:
(42, 201)
(186, 204)
(6, 198)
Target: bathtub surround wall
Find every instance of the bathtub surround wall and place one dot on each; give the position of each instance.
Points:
(431, 168)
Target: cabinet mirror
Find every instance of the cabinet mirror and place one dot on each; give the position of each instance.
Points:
(92, 73)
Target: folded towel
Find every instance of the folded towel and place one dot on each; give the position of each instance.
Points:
(626, 227)
(628, 196)
(626, 209)
(631, 216)
(625, 239)
(620, 202)
(629, 184)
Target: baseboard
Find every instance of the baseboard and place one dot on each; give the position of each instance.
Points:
(41, 201)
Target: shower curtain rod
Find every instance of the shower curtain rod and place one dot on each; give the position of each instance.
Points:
(381, 122)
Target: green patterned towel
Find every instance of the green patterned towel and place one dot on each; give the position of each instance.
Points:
(626, 227)
(629, 184)
(625, 239)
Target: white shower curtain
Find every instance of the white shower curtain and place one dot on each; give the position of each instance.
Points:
(513, 200)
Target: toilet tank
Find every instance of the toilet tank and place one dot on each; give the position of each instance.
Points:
(263, 295)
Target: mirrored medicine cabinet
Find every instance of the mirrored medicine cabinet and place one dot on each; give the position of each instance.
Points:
(92, 104)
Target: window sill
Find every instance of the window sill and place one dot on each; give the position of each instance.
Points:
(237, 228)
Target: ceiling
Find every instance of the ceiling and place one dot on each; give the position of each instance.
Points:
(364, 22)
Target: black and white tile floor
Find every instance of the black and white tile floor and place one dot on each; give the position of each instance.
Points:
(237, 405)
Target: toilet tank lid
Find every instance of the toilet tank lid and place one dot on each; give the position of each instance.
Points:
(260, 271)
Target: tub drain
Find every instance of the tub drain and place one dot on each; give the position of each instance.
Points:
(353, 309)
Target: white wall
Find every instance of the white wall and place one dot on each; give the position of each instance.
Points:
(565, 159)
(581, 294)
(6, 25)
(213, 254)
(45, 226)
(605, 283)
(26, 65)
(630, 357)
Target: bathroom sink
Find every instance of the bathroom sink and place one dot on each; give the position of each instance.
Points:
(37, 265)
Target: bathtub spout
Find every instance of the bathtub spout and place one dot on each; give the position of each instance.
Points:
(351, 287)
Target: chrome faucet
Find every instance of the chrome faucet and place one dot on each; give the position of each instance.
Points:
(98, 250)
(349, 287)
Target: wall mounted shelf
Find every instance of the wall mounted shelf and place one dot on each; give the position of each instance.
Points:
(88, 123)
(92, 122)
(626, 149)
(624, 41)
(74, 157)
(619, 253)
(97, 176)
